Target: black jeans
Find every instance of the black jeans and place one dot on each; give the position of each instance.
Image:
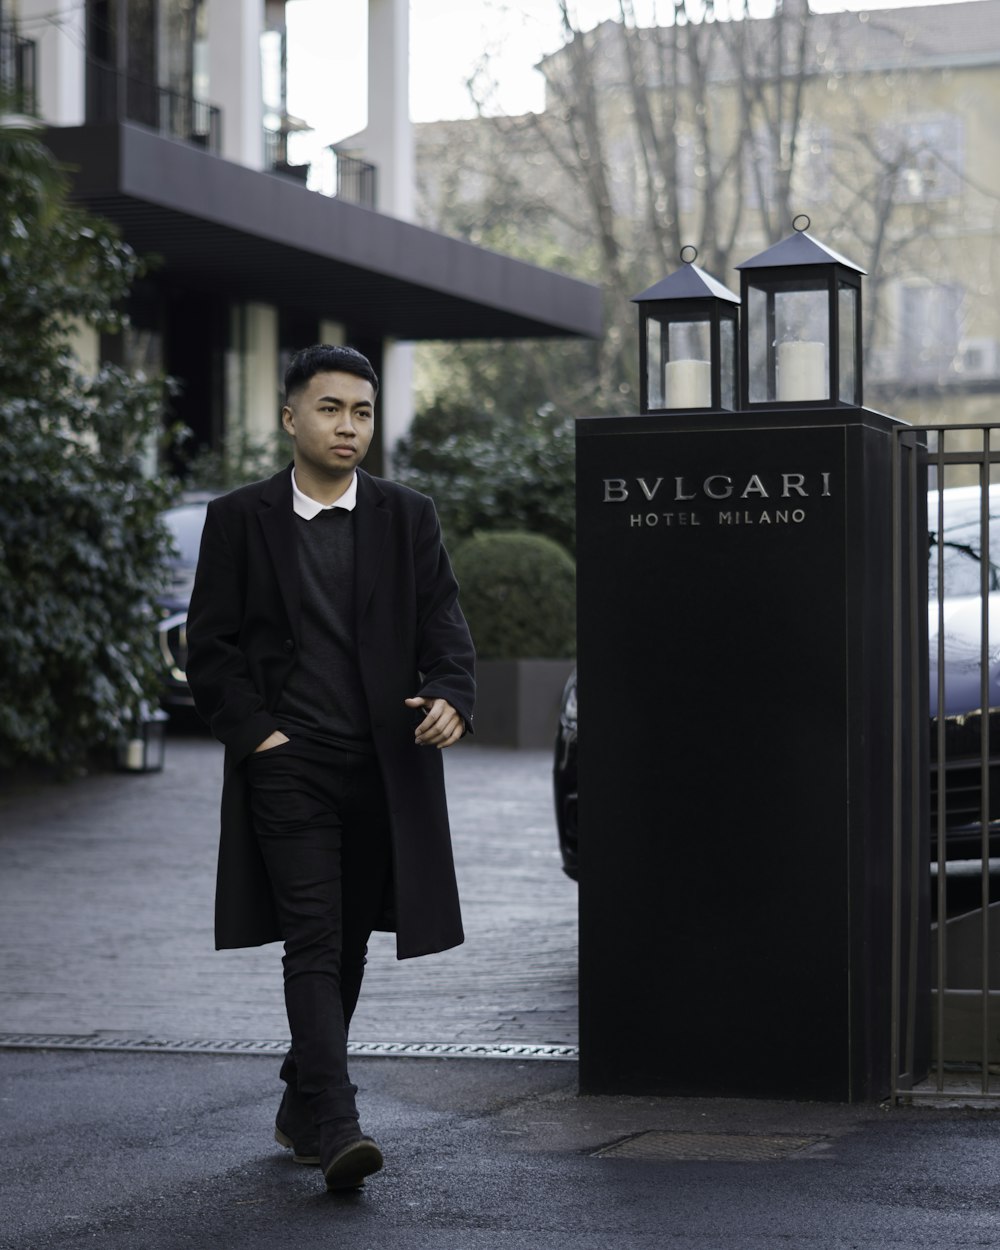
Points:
(321, 821)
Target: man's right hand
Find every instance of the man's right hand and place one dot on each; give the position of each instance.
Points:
(273, 740)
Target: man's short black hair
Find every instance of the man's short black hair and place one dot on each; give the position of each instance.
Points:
(326, 358)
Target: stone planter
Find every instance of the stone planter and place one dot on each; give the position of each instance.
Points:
(517, 702)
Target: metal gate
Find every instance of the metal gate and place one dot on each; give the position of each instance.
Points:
(946, 803)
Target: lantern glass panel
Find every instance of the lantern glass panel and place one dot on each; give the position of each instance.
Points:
(655, 335)
(690, 340)
(847, 301)
(687, 374)
(155, 745)
(759, 390)
(727, 377)
(678, 363)
(789, 342)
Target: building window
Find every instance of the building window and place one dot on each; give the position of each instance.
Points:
(930, 329)
(760, 163)
(687, 171)
(925, 157)
(763, 157)
(811, 179)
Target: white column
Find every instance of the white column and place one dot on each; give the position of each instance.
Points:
(388, 137)
(234, 31)
(234, 383)
(395, 396)
(331, 332)
(261, 404)
(59, 29)
(388, 144)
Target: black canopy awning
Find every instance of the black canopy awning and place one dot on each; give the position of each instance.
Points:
(217, 226)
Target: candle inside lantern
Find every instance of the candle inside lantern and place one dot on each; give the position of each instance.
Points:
(802, 371)
(688, 384)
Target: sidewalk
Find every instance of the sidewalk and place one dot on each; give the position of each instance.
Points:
(105, 934)
(106, 908)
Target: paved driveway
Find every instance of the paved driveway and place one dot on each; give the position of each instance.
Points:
(105, 927)
(106, 915)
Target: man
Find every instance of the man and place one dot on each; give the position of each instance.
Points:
(328, 653)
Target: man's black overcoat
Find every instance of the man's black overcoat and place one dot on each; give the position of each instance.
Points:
(243, 628)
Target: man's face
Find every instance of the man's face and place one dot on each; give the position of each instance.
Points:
(331, 421)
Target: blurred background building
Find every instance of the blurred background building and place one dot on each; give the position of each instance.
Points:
(881, 126)
(172, 115)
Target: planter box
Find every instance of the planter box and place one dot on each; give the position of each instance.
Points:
(517, 702)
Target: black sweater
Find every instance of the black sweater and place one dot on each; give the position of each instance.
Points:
(323, 698)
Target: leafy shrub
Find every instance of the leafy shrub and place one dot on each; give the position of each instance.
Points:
(237, 459)
(493, 471)
(82, 549)
(518, 592)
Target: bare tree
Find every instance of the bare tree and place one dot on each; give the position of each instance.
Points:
(712, 132)
(661, 134)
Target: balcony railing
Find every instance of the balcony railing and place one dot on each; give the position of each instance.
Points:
(334, 173)
(18, 72)
(115, 96)
(276, 156)
(356, 180)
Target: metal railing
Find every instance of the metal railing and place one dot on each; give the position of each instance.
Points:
(335, 173)
(356, 180)
(954, 773)
(18, 72)
(116, 96)
(276, 156)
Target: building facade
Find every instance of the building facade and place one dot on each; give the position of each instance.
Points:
(880, 126)
(160, 110)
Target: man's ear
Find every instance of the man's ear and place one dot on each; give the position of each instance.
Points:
(288, 420)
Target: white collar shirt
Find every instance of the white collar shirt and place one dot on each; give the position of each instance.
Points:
(308, 508)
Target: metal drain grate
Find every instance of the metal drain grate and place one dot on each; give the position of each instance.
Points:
(661, 1146)
(464, 1050)
(408, 1050)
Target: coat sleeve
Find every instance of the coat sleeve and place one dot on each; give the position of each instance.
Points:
(446, 657)
(217, 671)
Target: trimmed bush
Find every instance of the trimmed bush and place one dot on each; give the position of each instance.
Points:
(518, 593)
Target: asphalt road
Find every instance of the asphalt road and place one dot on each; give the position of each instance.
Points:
(160, 1152)
(105, 934)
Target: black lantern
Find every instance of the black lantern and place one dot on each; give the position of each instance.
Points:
(142, 747)
(801, 338)
(687, 342)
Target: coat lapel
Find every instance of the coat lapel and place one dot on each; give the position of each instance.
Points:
(372, 518)
(277, 521)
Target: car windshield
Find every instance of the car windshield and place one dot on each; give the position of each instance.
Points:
(185, 524)
(960, 541)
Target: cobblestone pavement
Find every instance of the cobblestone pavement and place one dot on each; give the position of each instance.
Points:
(106, 889)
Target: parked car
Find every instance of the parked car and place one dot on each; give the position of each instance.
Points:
(961, 613)
(185, 522)
(959, 542)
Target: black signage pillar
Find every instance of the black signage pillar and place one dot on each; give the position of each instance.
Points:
(735, 753)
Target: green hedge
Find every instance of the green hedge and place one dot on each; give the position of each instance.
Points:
(518, 593)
